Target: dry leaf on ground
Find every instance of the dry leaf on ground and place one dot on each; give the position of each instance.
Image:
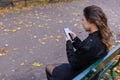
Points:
(60, 21)
(37, 64)
(4, 51)
(1, 55)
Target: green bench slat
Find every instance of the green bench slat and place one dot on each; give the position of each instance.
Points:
(101, 63)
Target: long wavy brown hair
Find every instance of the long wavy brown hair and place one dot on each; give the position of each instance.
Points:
(95, 15)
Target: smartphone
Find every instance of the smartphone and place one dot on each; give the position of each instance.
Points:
(67, 33)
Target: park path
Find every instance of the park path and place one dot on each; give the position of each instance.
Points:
(36, 35)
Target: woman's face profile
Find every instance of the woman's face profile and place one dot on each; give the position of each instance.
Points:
(86, 24)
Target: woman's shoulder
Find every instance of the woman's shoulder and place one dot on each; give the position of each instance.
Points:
(92, 42)
(87, 43)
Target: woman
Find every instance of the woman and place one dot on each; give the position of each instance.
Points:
(86, 52)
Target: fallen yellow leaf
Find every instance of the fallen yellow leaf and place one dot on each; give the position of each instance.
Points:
(117, 41)
(6, 45)
(20, 22)
(57, 40)
(37, 64)
(22, 64)
(14, 30)
(1, 55)
(44, 38)
(58, 37)
(19, 28)
(75, 25)
(2, 28)
(1, 23)
(60, 21)
(14, 49)
(51, 36)
(4, 51)
(42, 42)
(6, 30)
(35, 36)
(40, 26)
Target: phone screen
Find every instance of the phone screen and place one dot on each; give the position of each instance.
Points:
(67, 32)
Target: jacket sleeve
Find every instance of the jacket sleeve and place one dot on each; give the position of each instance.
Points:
(76, 58)
(76, 42)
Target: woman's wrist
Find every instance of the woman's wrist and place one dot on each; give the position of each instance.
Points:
(68, 41)
(69, 44)
(75, 38)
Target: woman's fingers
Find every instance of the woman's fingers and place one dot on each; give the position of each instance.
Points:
(66, 38)
(73, 34)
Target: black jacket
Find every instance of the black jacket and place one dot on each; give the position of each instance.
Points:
(82, 54)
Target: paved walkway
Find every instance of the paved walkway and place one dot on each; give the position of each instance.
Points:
(37, 35)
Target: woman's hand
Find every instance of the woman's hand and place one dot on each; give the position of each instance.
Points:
(67, 39)
(73, 35)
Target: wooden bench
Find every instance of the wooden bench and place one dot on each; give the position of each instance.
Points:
(6, 2)
(97, 70)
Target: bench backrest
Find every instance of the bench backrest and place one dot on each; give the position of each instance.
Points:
(100, 64)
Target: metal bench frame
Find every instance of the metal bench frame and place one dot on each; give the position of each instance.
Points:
(100, 66)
